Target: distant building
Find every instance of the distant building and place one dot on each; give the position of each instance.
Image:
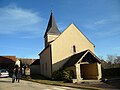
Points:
(7, 62)
(35, 67)
(70, 49)
(26, 61)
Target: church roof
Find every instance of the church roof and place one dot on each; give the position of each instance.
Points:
(52, 27)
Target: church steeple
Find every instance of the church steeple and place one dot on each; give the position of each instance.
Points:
(52, 26)
(52, 31)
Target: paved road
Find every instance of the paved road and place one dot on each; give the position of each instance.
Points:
(5, 84)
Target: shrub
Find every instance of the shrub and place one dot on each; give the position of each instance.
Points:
(67, 75)
(57, 75)
(61, 74)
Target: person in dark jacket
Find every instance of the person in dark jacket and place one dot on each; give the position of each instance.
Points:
(18, 75)
(13, 75)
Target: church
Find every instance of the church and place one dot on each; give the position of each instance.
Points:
(70, 49)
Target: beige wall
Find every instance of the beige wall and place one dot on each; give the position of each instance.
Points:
(62, 47)
(50, 38)
(89, 71)
(45, 62)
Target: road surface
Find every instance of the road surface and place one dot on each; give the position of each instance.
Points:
(6, 84)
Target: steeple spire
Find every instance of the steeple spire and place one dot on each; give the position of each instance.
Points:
(52, 26)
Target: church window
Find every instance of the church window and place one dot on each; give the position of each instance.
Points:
(74, 48)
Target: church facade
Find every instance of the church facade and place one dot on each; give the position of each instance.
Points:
(70, 49)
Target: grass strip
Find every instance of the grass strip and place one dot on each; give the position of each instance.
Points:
(61, 83)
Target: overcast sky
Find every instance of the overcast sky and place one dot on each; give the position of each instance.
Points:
(23, 24)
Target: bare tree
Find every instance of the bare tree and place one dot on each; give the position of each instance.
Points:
(117, 60)
(110, 59)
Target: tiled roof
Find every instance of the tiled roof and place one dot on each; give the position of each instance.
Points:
(27, 61)
(7, 58)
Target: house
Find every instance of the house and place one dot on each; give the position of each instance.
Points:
(25, 64)
(26, 61)
(70, 49)
(7, 62)
(35, 67)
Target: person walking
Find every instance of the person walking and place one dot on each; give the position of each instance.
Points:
(17, 63)
(18, 75)
(13, 75)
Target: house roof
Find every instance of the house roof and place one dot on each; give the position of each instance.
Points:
(52, 27)
(82, 57)
(44, 50)
(7, 58)
(27, 61)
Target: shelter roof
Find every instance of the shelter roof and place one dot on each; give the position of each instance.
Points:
(72, 60)
(84, 56)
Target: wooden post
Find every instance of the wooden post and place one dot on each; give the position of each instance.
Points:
(78, 73)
